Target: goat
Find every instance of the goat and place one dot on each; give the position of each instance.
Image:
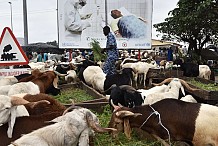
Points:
(175, 85)
(71, 129)
(170, 119)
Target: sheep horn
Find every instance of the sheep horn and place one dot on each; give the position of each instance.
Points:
(123, 114)
(163, 82)
(111, 87)
(128, 88)
(33, 104)
(62, 66)
(59, 74)
(184, 83)
(114, 106)
(95, 125)
(18, 101)
(70, 108)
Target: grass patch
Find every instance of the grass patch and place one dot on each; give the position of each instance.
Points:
(210, 87)
(76, 94)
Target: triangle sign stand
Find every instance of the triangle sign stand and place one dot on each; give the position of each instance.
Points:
(11, 52)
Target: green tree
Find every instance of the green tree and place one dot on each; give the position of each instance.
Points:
(193, 21)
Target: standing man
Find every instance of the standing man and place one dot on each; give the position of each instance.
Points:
(111, 51)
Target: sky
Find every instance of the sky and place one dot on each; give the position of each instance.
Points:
(42, 18)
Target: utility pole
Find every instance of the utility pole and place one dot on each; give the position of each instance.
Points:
(106, 21)
(25, 23)
(11, 15)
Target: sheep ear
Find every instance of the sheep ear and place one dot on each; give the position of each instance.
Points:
(127, 128)
(55, 82)
(11, 121)
(183, 91)
(16, 111)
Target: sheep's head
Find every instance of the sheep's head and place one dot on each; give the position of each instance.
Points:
(178, 82)
(5, 106)
(82, 118)
(120, 121)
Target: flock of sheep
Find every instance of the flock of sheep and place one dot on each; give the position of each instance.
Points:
(30, 116)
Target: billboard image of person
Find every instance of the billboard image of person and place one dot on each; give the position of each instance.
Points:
(127, 26)
(73, 21)
(81, 21)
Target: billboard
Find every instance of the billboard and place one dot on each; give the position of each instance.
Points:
(81, 21)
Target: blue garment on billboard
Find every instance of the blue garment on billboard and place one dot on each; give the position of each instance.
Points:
(131, 27)
(112, 55)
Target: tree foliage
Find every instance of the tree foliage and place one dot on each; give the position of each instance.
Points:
(193, 21)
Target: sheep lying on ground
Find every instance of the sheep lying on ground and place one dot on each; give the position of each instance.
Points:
(170, 119)
(71, 129)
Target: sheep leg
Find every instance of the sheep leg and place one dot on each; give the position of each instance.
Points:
(136, 77)
(144, 78)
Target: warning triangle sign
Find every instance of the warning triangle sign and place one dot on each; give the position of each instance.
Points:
(11, 52)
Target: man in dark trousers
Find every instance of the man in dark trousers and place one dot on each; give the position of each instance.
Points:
(112, 52)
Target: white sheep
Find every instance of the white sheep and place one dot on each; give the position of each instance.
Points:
(24, 87)
(5, 89)
(71, 129)
(141, 68)
(9, 80)
(71, 76)
(89, 73)
(175, 86)
(204, 71)
(37, 65)
(98, 81)
(157, 89)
